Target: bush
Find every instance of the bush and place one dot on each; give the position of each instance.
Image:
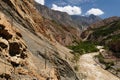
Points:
(101, 58)
(84, 47)
(114, 45)
(76, 57)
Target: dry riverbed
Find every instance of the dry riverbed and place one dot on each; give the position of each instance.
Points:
(91, 70)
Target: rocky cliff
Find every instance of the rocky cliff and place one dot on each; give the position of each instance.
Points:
(35, 23)
(30, 46)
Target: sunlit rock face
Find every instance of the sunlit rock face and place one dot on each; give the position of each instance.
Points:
(30, 46)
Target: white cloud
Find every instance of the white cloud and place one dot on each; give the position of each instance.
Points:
(71, 10)
(40, 1)
(95, 11)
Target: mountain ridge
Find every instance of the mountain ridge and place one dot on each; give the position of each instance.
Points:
(66, 19)
(85, 21)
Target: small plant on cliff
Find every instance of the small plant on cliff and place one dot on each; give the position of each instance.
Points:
(76, 57)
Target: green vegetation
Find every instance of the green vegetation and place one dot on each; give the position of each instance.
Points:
(114, 46)
(109, 36)
(101, 58)
(76, 57)
(84, 47)
(113, 37)
(106, 30)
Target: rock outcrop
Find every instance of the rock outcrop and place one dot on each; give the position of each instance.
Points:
(30, 46)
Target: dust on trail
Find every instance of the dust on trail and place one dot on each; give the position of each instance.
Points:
(92, 70)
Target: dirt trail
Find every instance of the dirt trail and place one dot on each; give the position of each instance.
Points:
(92, 70)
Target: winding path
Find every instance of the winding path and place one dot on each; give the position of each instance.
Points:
(92, 70)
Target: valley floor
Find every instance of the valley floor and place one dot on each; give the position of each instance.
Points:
(92, 71)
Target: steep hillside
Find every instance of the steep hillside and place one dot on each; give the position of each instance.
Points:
(67, 20)
(100, 24)
(28, 44)
(14, 54)
(103, 29)
(35, 23)
(108, 35)
(60, 17)
(104, 22)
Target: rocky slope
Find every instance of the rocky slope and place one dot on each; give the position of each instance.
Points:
(100, 25)
(56, 16)
(28, 44)
(35, 23)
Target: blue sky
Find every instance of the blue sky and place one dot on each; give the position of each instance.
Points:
(102, 8)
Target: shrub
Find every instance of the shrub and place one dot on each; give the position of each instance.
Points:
(76, 57)
(84, 47)
(114, 45)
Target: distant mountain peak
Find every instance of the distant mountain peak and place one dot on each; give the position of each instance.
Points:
(86, 20)
(92, 15)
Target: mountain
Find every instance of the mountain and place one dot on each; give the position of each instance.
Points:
(67, 20)
(106, 33)
(30, 46)
(60, 17)
(85, 20)
(98, 25)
